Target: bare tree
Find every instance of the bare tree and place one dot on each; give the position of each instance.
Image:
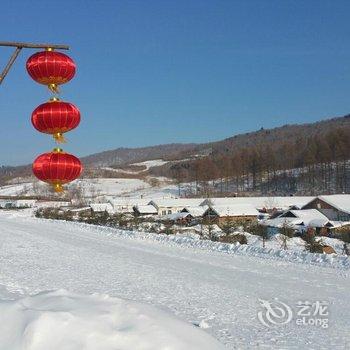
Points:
(286, 232)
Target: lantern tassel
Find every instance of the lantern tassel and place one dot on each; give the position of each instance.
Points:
(59, 137)
(58, 188)
(54, 88)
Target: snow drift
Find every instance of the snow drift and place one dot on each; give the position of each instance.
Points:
(59, 320)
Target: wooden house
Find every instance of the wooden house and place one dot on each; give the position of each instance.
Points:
(335, 207)
(145, 210)
(230, 213)
(178, 218)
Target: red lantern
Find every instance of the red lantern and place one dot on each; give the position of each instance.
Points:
(51, 68)
(57, 168)
(55, 118)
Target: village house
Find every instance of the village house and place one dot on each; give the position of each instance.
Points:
(223, 214)
(14, 202)
(180, 218)
(167, 206)
(125, 205)
(101, 208)
(302, 220)
(145, 210)
(78, 211)
(24, 203)
(6, 203)
(196, 212)
(299, 220)
(335, 207)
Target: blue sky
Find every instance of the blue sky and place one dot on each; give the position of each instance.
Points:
(152, 72)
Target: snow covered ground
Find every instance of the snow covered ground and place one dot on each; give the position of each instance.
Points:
(90, 187)
(151, 163)
(59, 320)
(100, 186)
(165, 190)
(17, 189)
(212, 285)
(110, 186)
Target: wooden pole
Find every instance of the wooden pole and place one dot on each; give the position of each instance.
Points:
(9, 64)
(33, 46)
(19, 46)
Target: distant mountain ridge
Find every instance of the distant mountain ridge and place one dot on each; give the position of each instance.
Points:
(178, 151)
(281, 133)
(122, 156)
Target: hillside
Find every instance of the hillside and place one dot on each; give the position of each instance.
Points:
(121, 156)
(293, 159)
(271, 141)
(179, 151)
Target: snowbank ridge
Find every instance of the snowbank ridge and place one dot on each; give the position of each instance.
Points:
(327, 260)
(59, 320)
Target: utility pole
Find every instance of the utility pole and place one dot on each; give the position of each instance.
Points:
(18, 47)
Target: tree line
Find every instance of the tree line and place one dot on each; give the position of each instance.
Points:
(306, 165)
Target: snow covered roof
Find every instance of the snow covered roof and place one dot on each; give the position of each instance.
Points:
(304, 217)
(100, 207)
(306, 214)
(52, 204)
(196, 211)
(25, 201)
(128, 201)
(78, 210)
(333, 223)
(282, 203)
(177, 202)
(146, 209)
(235, 210)
(338, 201)
(284, 221)
(176, 216)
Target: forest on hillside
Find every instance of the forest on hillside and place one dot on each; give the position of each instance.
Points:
(306, 165)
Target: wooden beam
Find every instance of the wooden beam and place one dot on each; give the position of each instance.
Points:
(33, 46)
(9, 64)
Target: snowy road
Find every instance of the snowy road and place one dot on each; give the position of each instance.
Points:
(218, 291)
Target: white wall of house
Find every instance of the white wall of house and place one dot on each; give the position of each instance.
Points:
(168, 210)
(168, 206)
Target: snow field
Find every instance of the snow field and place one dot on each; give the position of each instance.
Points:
(211, 286)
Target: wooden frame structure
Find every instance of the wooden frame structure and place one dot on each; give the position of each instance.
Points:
(19, 46)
